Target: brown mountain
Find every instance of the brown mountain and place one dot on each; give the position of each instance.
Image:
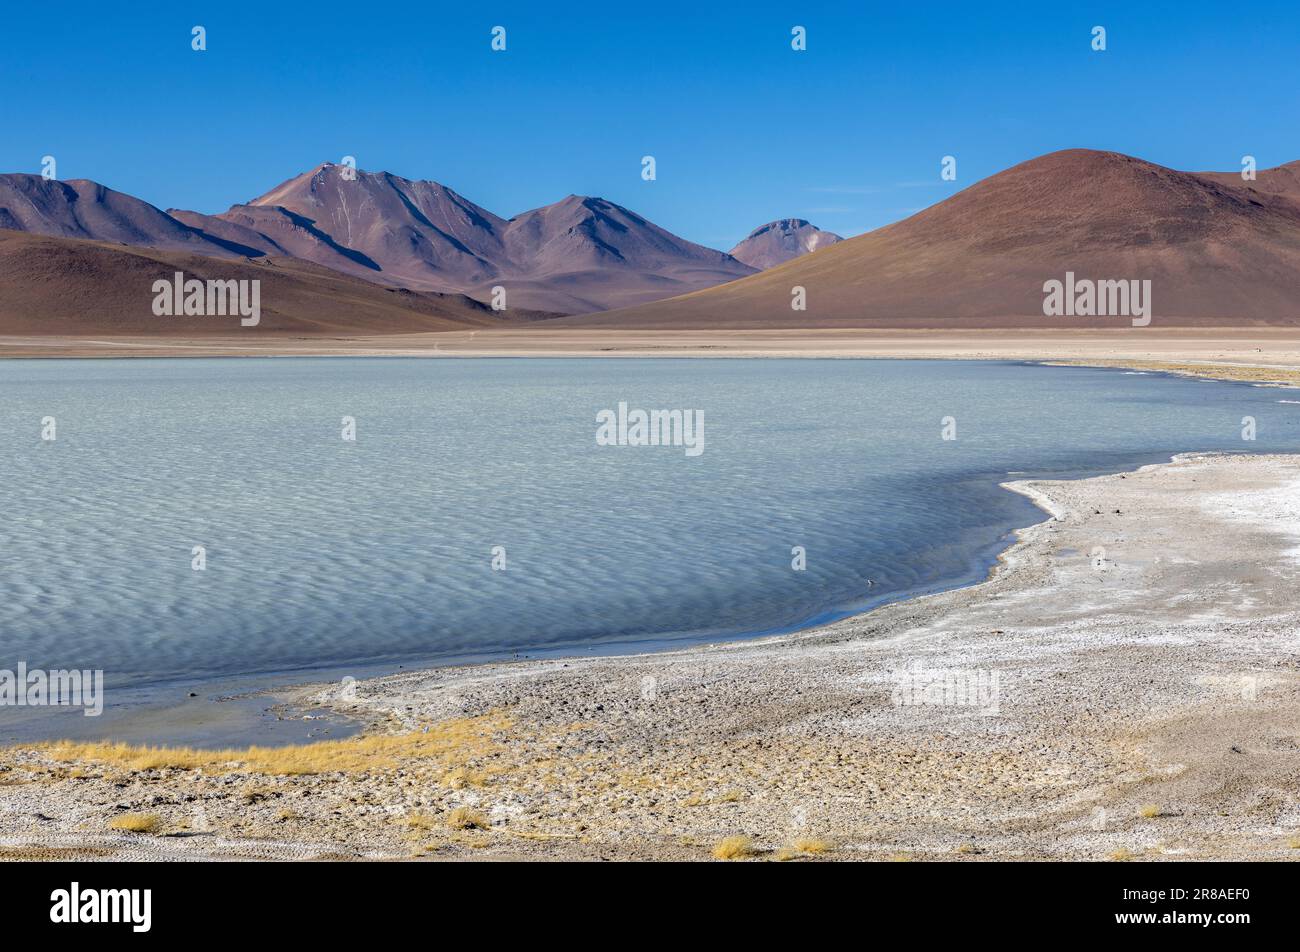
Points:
(1217, 250)
(71, 287)
(1282, 181)
(410, 233)
(780, 241)
(579, 254)
(585, 254)
(79, 208)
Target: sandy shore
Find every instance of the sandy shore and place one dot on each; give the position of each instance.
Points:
(1263, 355)
(1124, 685)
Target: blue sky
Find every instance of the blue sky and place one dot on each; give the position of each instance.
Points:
(849, 133)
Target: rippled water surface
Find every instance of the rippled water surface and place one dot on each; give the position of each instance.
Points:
(322, 552)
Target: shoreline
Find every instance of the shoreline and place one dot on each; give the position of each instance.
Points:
(1121, 689)
(153, 708)
(1266, 355)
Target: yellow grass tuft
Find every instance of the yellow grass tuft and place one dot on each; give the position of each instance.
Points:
(785, 854)
(462, 777)
(463, 818)
(1294, 842)
(137, 822)
(1149, 811)
(734, 847)
(447, 740)
(1122, 855)
(421, 821)
(813, 845)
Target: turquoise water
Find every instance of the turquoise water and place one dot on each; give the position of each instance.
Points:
(324, 553)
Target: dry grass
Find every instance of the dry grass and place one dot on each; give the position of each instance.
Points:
(462, 777)
(462, 838)
(813, 845)
(463, 818)
(138, 823)
(1149, 811)
(1294, 842)
(1122, 855)
(454, 739)
(52, 852)
(735, 847)
(421, 821)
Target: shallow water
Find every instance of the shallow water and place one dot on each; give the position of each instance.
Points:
(324, 553)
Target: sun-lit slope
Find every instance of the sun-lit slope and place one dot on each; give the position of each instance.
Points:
(61, 286)
(1216, 253)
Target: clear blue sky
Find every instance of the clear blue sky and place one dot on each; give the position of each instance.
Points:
(848, 134)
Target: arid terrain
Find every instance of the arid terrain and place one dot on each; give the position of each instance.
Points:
(1124, 686)
(1218, 251)
(576, 255)
(58, 288)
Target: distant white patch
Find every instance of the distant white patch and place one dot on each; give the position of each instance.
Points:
(1276, 509)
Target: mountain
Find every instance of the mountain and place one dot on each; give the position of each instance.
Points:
(578, 255)
(79, 208)
(586, 254)
(52, 286)
(780, 241)
(1217, 250)
(410, 233)
(1281, 182)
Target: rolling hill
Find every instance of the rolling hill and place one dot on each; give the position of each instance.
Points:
(1216, 249)
(53, 286)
